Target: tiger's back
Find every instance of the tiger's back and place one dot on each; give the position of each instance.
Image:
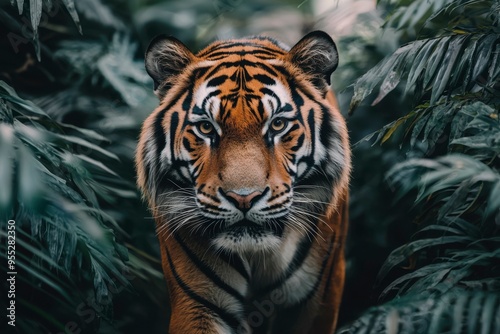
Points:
(245, 166)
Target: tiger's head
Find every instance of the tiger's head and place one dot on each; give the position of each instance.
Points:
(246, 142)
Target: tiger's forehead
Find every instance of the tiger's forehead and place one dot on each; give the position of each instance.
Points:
(240, 79)
(261, 46)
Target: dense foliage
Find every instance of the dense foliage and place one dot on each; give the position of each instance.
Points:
(70, 92)
(425, 197)
(446, 278)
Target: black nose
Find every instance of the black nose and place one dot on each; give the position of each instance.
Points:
(242, 202)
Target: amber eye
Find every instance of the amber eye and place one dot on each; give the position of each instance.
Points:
(206, 128)
(278, 124)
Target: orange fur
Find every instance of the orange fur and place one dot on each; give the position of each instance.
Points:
(248, 280)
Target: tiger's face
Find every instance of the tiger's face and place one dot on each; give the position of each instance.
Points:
(245, 143)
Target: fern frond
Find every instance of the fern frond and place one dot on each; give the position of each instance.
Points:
(57, 198)
(436, 68)
(443, 310)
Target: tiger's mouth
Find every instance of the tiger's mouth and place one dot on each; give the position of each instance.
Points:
(244, 224)
(248, 236)
(246, 227)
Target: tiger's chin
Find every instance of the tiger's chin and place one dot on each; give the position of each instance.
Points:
(247, 237)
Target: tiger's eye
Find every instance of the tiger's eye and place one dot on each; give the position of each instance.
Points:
(206, 128)
(278, 124)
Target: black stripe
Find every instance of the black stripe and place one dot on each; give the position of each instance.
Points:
(207, 271)
(276, 206)
(286, 107)
(186, 103)
(297, 99)
(281, 69)
(267, 91)
(242, 63)
(309, 160)
(299, 257)
(174, 123)
(196, 168)
(234, 261)
(312, 122)
(268, 68)
(326, 130)
(199, 72)
(217, 81)
(229, 45)
(206, 98)
(283, 324)
(300, 142)
(260, 109)
(265, 79)
(259, 53)
(214, 208)
(159, 134)
(227, 317)
(321, 272)
(187, 145)
(213, 198)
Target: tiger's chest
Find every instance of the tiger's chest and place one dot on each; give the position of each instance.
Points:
(283, 277)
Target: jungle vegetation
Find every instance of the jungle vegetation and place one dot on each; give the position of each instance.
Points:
(419, 82)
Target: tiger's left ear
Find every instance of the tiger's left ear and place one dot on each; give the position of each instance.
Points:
(166, 57)
(316, 54)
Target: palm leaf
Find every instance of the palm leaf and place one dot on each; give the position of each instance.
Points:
(452, 311)
(438, 66)
(56, 197)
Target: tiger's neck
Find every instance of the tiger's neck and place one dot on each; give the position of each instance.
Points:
(262, 289)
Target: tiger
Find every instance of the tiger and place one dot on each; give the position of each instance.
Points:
(245, 167)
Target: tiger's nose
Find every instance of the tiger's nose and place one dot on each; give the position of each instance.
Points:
(241, 200)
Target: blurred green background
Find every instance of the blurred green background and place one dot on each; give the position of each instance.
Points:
(423, 80)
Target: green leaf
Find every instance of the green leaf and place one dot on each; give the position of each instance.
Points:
(7, 159)
(458, 313)
(494, 70)
(458, 126)
(35, 13)
(461, 74)
(96, 163)
(420, 62)
(365, 85)
(393, 128)
(445, 71)
(430, 312)
(86, 132)
(393, 77)
(487, 317)
(10, 95)
(20, 6)
(482, 55)
(388, 130)
(85, 143)
(420, 123)
(435, 61)
(475, 306)
(419, 273)
(494, 199)
(436, 123)
(31, 189)
(489, 140)
(70, 6)
(402, 253)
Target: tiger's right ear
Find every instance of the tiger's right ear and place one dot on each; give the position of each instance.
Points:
(166, 57)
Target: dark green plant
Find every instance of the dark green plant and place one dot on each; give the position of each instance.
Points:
(447, 277)
(67, 136)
